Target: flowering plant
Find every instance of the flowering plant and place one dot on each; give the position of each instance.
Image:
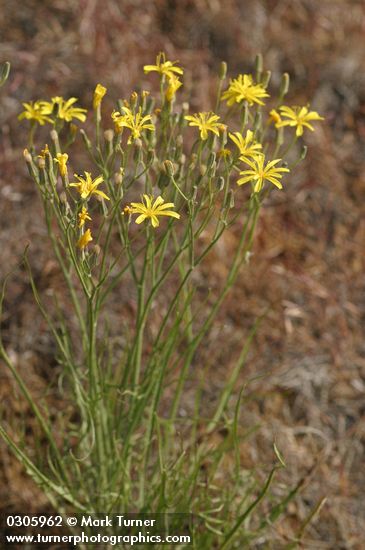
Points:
(158, 192)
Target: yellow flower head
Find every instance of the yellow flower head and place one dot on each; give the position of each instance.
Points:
(259, 172)
(86, 186)
(163, 67)
(83, 216)
(99, 93)
(84, 239)
(299, 117)
(243, 88)
(275, 118)
(44, 152)
(35, 111)
(61, 160)
(206, 122)
(127, 210)
(224, 153)
(136, 122)
(147, 209)
(247, 146)
(173, 85)
(66, 111)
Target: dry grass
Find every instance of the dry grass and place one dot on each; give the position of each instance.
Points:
(308, 263)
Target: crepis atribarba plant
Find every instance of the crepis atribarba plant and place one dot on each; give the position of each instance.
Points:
(158, 188)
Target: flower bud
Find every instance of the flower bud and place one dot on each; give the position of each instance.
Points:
(266, 79)
(27, 156)
(54, 135)
(220, 183)
(134, 99)
(230, 200)
(169, 168)
(223, 70)
(303, 153)
(118, 178)
(259, 65)
(41, 163)
(108, 135)
(284, 86)
(211, 160)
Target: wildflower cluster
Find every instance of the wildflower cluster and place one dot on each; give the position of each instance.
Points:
(156, 190)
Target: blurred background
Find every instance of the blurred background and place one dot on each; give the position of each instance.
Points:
(307, 364)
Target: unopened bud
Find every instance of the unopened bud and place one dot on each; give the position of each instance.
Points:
(259, 65)
(63, 197)
(41, 163)
(202, 169)
(169, 168)
(185, 107)
(220, 183)
(179, 140)
(27, 156)
(54, 135)
(266, 79)
(211, 160)
(118, 178)
(195, 192)
(230, 199)
(108, 135)
(134, 99)
(223, 70)
(96, 249)
(284, 85)
(303, 153)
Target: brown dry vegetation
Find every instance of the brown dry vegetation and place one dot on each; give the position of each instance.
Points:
(308, 262)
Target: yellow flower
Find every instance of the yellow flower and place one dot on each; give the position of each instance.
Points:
(299, 117)
(259, 172)
(206, 122)
(224, 153)
(173, 85)
(84, 239)
(136, 122)
(86, 186)
(243, 88)
(83, 216)
(247, 146)
(99, 93)
(35, 111)
(152, 210)
(66, 111)
(127, 210)
(44, 152)
(276, 118)
(62, 159)
(163, 67)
